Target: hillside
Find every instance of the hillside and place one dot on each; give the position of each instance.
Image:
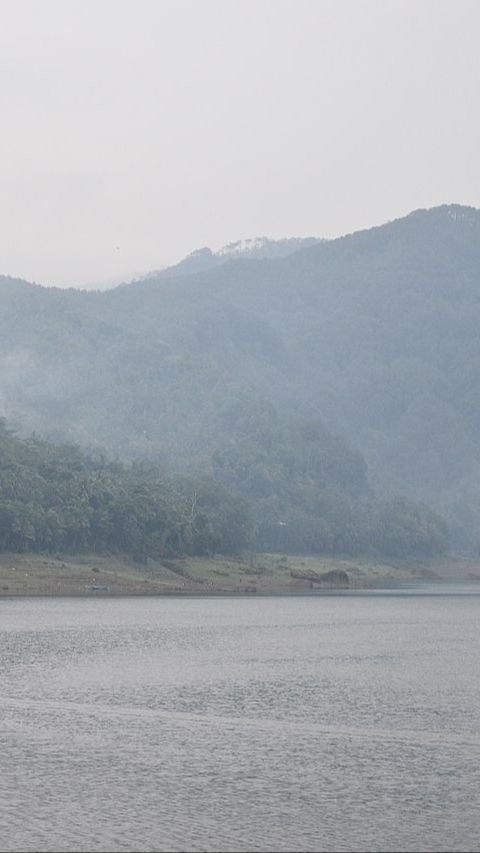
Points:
(258, 248)
(306, 494)
(204, 259)
(375, 334)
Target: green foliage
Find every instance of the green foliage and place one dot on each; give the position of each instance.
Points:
(57, 498)
(282, 491)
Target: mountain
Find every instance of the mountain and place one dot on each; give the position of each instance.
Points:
(257, 247)
(204, 259)
(113, 281)
(374, 334)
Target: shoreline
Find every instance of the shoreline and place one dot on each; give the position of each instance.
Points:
(254, 575)
(325, 593)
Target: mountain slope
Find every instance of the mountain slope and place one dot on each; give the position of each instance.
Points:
(258, 248)
(375, 332)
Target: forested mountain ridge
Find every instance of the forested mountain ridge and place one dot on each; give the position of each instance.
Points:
(256, 248)
(205, 258)
(374, 333)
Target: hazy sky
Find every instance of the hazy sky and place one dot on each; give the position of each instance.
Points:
(134, 132)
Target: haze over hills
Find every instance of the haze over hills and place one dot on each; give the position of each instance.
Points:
(205, 258)
(226, 366)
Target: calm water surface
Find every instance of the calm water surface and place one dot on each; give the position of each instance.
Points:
(329, 723)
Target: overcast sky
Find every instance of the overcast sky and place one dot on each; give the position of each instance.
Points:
(135, 132)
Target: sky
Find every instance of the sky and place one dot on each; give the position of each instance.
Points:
(135, 132)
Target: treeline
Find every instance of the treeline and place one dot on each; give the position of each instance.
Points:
(290, 496)
(59, 498)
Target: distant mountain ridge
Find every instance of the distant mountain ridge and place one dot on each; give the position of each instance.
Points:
(260, 248)
(206, 258)
(374, 333)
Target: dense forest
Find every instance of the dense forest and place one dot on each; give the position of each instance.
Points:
(310, 495)
(221, 375)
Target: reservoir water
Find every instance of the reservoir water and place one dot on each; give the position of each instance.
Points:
(340, 722)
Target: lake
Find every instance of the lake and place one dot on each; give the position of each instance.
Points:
(337, 722)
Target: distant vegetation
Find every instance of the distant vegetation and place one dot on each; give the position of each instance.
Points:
(242, 376)
(58, 498)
